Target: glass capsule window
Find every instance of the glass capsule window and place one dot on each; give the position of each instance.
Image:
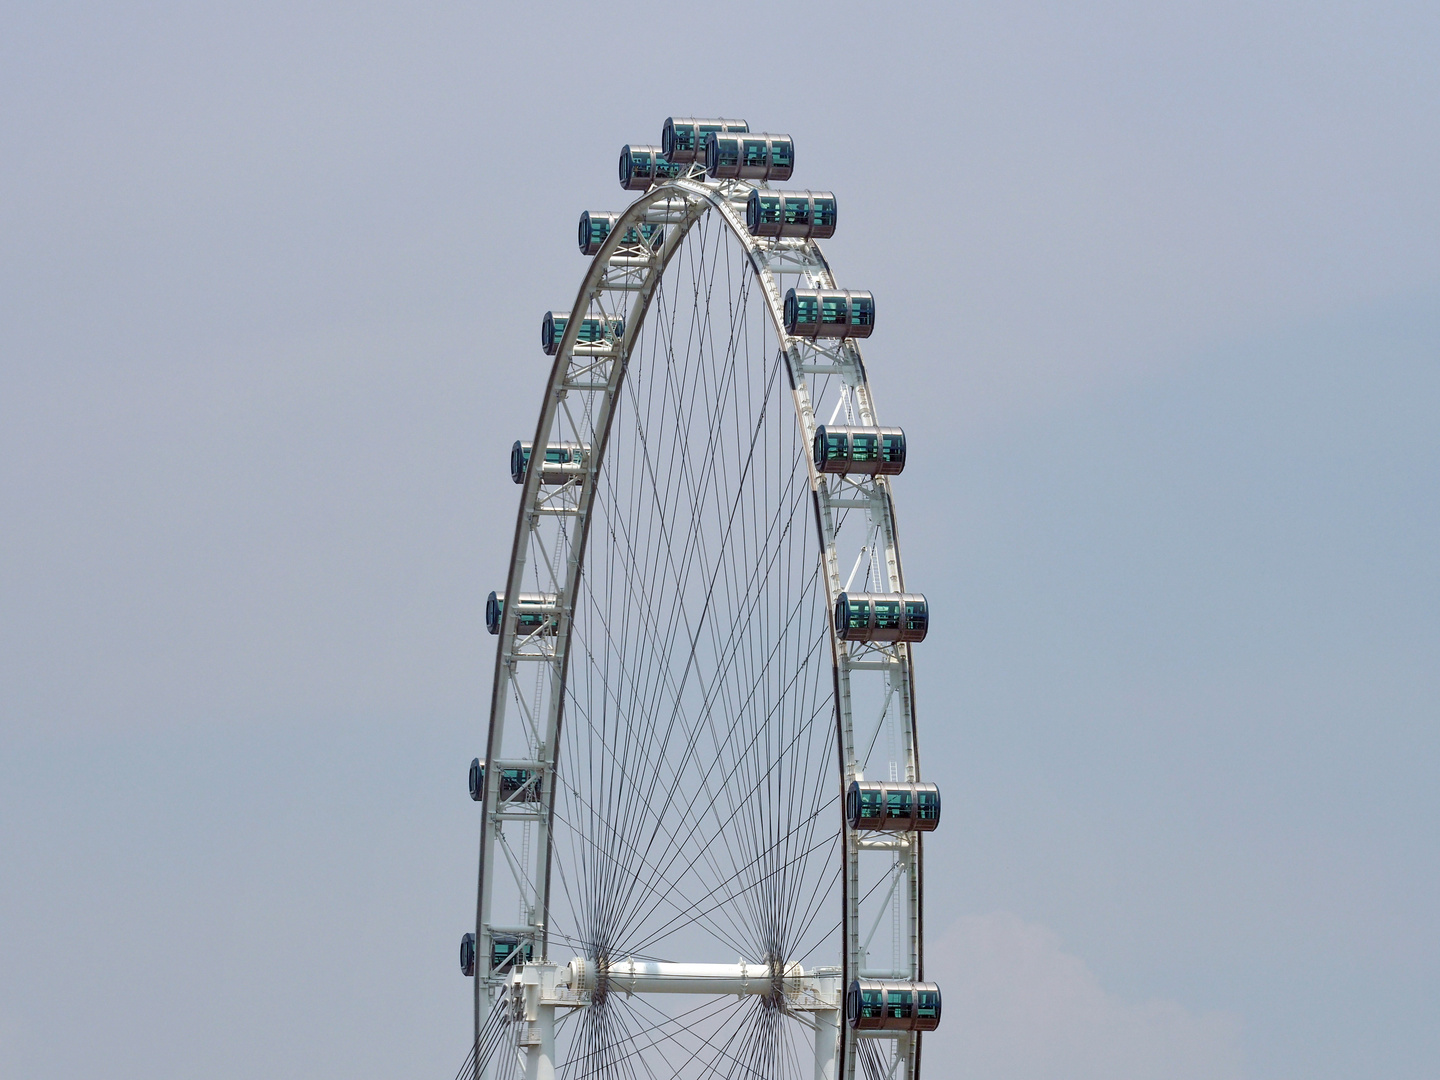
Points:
(864, 446)
(897, 1004)
(832, 309)
(872, 1003)
(927, 1005)
(520, 783)
(724, 156)
(802, 312)
(506, 952)
(782, 157)
(892, 448)
(917, 615)
(825, 212)
(797, 210)
(887, 614)
(862, 310)
(755, 153)
(928, 804)
(897, 802)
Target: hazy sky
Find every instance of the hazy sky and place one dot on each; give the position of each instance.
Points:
(1159, 307)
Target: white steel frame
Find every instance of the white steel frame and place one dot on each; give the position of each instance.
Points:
(584, 383)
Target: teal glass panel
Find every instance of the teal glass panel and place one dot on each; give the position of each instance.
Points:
(835, 448)
(887, 614)
(929, 806)
(892, 448)
(872, 1003)
(727, 153)
(927, 1007)
(864, 446)
(770, 208)
(832, 309)
(782, 154)
(897, 1004)
(917, 615)
(825, 212)
(857, 614)
(807, 310)
(754, 152)
(862, 311)
(897, 802)
(870, 804)
(797, 210)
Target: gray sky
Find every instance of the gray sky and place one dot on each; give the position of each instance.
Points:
(1159, 311)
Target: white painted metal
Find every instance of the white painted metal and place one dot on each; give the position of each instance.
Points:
(516, 839)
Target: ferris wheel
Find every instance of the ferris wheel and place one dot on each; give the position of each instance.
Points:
(701, 803)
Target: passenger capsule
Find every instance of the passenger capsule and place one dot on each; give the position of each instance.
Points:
(683, 139)
(595, 226)
(593, 330)
(881, 617)
(801, 214)
(506, 952)
(892, 807)
(533, 612)
(641, 167)
(829, 313)
(892, 1005)
(563, 462)
(868, 451)
(467, 954)
(477, 780)
(749, 157)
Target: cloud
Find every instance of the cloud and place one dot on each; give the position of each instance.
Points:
(1019, 1007)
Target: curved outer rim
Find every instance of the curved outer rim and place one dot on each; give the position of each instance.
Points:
(686, 200)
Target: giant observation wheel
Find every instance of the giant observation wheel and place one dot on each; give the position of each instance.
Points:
(701, 801)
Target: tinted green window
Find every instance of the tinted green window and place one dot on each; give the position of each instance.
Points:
(825, 212)
(525, 456)
(832, 308)
(665, 170)
(887, 614)
(807, 310)
(770, 208)
(640, 164)
(557, 328)
(754, 152)
(897, 1004)
(892, 448)
(781, 153)
(684, 136)
(556, 455)
(897, 803)
(928, 1004)
(870, 803)
(857, 614)
(835, 448)
(727, 152)
(917, 616)
(872, 1003)
(797, 211)
(864, 446)
(862, 311)
(929, 806)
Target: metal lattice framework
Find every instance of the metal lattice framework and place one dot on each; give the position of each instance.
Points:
(675, 720)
